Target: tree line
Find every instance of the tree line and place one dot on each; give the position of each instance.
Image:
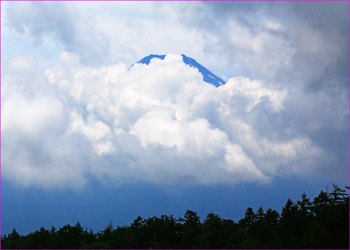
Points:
(321, 223)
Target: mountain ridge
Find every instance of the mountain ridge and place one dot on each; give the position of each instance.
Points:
(208, 76)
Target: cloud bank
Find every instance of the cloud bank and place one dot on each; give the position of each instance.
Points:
(285, 111)
(157, 123)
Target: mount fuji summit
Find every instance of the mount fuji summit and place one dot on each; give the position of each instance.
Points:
(207, 75)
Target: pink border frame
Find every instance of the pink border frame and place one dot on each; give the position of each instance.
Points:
(153, 1)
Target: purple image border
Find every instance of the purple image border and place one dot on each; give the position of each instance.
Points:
(159, 1)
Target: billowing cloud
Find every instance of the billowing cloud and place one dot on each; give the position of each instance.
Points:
(284, 108)
(157, 123)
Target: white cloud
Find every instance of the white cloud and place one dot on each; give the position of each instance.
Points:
(28, 105)
(30, 116)
(113, 123)
(95, 131)
(157, 123)
(35, 148)
(254, 91)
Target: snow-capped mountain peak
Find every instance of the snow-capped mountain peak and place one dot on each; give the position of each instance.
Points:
(208, 76)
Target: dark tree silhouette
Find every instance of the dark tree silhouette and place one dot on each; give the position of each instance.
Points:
(322, 223)
(192, 229)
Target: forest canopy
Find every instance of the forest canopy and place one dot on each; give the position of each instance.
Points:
(321, 223)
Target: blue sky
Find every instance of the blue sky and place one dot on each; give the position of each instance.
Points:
(87, 138)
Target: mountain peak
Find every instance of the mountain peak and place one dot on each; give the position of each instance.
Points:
(146, 60)
(207, 75)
